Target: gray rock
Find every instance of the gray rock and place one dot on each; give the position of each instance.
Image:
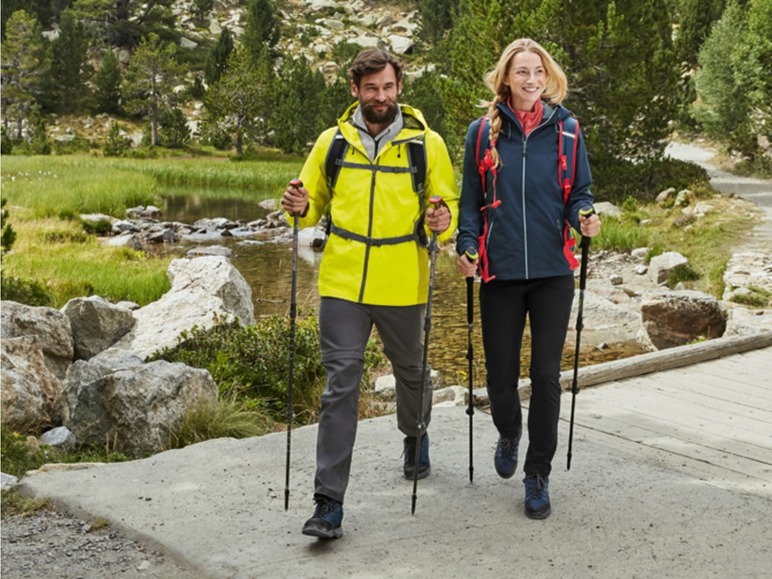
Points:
(96, 324)
(7, 481)
(49, 325)
(59, 437)
(30, 391)
(205, 291)
(135, 409)
(661, 266)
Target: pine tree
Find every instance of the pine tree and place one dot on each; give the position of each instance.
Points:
(24, 66)
(123, 23)
(262, 28)
(217, 59)
(107, 85)
(240, 99)
(150, 79)
(69, 67)
(294, 119)
(436, 19)
(722, 107)
(733, 83)
(755, 73)
(174, 132)
(695, 19)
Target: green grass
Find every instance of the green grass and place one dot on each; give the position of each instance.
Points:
(70, 263)
(54, 186)
(706, 242)
(225, 418)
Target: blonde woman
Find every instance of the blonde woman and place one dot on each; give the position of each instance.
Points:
(526, 177)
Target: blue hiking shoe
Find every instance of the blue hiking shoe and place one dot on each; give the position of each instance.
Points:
(325, 523)
(505, 459)
(537, 496)
(424, 467)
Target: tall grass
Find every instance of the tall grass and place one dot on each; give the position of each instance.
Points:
(53, 186)
(263, 175)
(70, 264)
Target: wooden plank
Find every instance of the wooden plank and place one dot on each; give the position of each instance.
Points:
(721, 452)
(753, 391)
(689, 394)
(716, 388)
(658, 405)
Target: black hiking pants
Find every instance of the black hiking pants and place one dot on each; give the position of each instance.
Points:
(504, 306)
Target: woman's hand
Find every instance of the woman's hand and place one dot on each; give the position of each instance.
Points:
(589, 225)
(466, 266)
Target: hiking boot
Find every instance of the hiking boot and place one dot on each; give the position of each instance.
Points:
(325, 523)
(505, 459)
(537, 496)
(424, 468)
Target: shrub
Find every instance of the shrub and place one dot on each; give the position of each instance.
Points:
(116, 145)
(25, 291)
(99, 227)
(250, 363)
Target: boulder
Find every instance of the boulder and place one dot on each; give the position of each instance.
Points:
(30, 391)
(50, 326)
(679, 317)
(133, 407)
(96, 324)
(661, 266)
(205, 291)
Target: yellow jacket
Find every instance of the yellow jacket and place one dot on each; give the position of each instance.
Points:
(376, 204)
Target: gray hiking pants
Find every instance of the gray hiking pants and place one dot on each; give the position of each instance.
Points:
(345, 328)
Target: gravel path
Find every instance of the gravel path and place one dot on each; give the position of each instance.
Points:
(53, 544)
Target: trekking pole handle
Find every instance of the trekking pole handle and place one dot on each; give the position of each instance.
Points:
(586, 212)
(296, 184)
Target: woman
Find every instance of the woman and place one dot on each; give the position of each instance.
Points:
(514, 212)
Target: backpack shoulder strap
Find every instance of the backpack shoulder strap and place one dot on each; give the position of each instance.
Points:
(483, 133)
(334, 159)
(416, 155)
(567, 144)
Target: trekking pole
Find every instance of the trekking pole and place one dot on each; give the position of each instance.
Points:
(472, 256)
(293, 315)
(585, 245)
(435, 201)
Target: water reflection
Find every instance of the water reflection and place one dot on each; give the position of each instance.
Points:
(267, 267)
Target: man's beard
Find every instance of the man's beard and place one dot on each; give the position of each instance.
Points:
(385, 118)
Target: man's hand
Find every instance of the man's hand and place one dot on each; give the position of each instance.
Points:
(438, 217)
(295, 199)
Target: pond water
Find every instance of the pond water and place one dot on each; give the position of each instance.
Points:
(267, 267)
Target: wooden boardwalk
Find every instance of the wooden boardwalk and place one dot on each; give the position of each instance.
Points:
(712, 419)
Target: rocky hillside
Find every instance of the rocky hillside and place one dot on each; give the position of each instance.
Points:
(310, 28)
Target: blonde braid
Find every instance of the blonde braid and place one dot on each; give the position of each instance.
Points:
(495, 127)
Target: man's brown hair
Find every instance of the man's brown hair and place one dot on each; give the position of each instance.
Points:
(371, 61)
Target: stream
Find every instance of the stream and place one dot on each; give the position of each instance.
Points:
(267, 268)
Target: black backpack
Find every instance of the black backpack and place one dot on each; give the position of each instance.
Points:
(336, 159)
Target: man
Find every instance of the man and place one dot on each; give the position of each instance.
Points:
(375, 266)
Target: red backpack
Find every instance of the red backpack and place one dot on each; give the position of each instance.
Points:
(567, 129)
